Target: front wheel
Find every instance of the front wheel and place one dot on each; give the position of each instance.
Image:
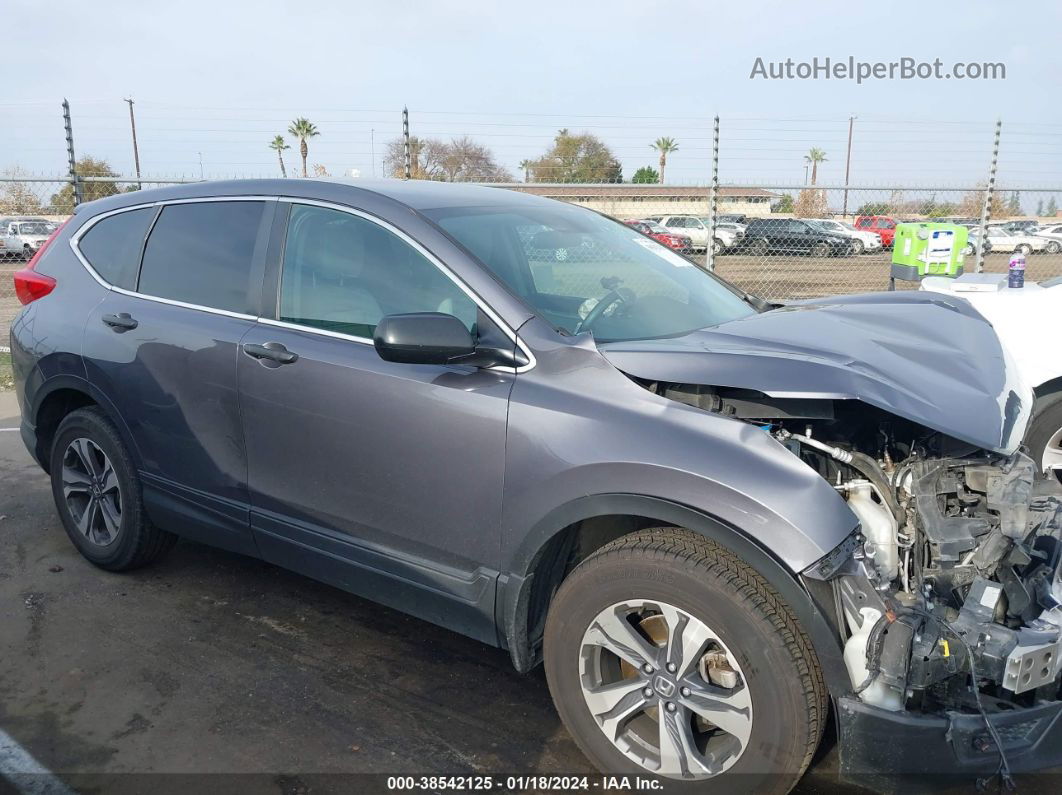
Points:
(1044, 436)
(758, 248)
(667, 655)
(1025, 249)
(717, 246)
(857, 246)
(820, 250)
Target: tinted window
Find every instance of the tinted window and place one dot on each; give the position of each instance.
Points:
(112, 246)
(200, 253)
(343, 273)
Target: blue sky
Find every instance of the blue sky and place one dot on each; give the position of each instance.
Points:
(219, 79)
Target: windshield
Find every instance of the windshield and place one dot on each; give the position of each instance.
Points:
(846, 225)
(38, 228)
(657, 229)
(565, 261)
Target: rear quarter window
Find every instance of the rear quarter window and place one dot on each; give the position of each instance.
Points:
(201, 253)
(112, 246)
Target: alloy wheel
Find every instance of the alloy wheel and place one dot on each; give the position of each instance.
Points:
(1051, 460)
(665, 690)
(92, 493)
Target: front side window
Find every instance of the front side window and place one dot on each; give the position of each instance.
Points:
(562, 261)
(343, 273)
(201, 253)
(112, 246)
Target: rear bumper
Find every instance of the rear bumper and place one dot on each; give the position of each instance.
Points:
(874, 742)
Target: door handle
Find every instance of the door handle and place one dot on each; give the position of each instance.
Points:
(120, 322)
(270, 351)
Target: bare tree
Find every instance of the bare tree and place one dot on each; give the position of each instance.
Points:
(458, 160)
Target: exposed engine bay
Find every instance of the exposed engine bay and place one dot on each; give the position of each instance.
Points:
(954, 574)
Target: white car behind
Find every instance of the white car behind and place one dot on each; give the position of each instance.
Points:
(862, 240)
(1053, 234)
(23, 238)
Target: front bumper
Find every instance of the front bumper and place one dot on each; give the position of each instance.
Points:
(874, 742)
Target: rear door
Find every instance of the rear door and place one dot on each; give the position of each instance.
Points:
(382, 478)
(162, 347)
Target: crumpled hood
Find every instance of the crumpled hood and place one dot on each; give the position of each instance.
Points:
(927, 358)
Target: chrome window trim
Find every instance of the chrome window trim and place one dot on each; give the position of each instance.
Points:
(75, 239)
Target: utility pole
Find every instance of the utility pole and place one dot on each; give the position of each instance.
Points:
(200, 165)
(78, 197)
(372, 149)
(986, 206)
(847, 166)
(713, 200)
(136, 152)
(405, 140)
(806, 167)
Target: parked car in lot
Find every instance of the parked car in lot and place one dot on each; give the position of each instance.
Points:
(862, 240)
(883, 225)
(22, 238)
(696, 228)
(707, 516)
(1053, 234)
(793, 236)
(662, 235)
(1003, 239)
(1025, 227)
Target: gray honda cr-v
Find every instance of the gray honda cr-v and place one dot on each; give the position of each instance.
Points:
(713, 519)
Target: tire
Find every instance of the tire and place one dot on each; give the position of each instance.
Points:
(758, 248)
(774, 668)
(820, 250)
(968, 249)
(27, 253)
(90, 466)
(1045, 431)
(1025, 249)
(717, 246)
(1053, 247)
(857, 246)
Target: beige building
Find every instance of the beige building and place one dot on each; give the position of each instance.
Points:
(639, 201)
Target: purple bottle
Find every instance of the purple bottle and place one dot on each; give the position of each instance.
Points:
(1016, 271)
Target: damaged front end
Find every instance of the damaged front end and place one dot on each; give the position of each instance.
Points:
(953, 579)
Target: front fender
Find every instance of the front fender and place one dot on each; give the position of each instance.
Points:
(579, 427)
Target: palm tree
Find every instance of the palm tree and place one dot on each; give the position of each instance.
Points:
(525, 166)
(664, 146)
(302, 129)
(280, 145)
(815, 156)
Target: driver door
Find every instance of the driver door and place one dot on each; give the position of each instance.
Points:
(382, 478)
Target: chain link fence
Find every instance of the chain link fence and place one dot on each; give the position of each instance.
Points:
(779, 242)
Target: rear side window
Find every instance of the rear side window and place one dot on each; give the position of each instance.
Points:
(112, 246)
(201, 253)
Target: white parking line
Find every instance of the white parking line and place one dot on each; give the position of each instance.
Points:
(9, 430)
(28, 776)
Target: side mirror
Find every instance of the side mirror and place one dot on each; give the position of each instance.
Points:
(423, 338)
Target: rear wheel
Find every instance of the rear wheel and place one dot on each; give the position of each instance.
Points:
(98, 496)
(1053, 247)
(717, 246)
(1025, 249)
(858, 246)
(820, 250)
(666, 655)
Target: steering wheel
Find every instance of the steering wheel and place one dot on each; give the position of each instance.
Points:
(617, 295)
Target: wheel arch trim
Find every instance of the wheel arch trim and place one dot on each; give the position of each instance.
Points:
(514, 587)
(76, 383)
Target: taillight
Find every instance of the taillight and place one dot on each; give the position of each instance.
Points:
(30, 285)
